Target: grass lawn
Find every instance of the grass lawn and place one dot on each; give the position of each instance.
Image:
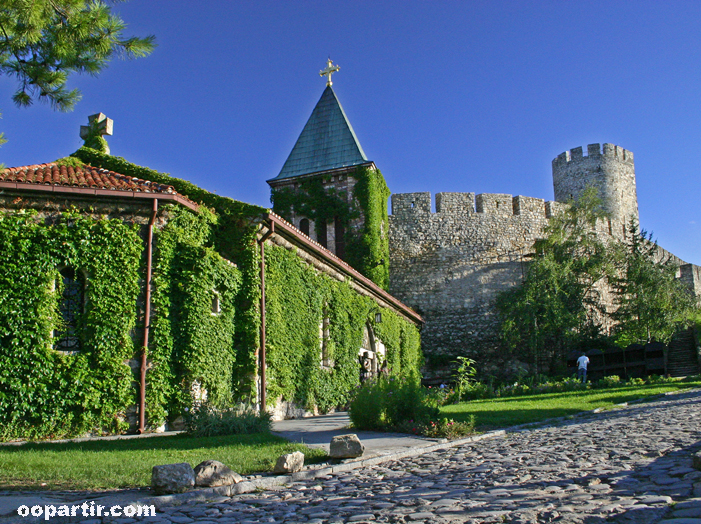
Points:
(113, 464)
(504, 412)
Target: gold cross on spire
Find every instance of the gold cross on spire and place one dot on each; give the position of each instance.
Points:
(330, 69)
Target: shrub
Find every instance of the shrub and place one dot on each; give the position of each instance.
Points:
(401, 404)
(440, 428)
(386, 402)
(607, 382)
(207, 421)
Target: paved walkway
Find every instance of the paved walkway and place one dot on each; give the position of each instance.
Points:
(317, 432)
(629, 465)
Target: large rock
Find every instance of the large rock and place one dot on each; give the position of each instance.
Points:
(213, 473)
(346, 446)
(172, 478)
(290, 463)
(696, 460)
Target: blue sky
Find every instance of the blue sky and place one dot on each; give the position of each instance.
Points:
(474, 96)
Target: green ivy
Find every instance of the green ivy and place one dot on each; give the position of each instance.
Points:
(44, 392)
(367, 250)
(297, 300)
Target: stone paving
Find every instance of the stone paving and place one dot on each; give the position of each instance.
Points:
(628, 465)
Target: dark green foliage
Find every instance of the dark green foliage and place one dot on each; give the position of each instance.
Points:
(369, 253)
(208, 421)
(297, 299)
(367, 250)
(232, 234)
(557, 304)
(401, 404)
(652, 303)
(388, 402)
(44, 392)
(190, 343)
(42, 42)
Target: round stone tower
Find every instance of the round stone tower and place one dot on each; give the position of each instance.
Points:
(612, 172)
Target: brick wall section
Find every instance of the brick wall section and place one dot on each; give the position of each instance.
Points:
(451, 264)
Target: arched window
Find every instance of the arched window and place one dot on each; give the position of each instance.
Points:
(71, 306)
(304, 226)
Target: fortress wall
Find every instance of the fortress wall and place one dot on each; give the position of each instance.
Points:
(451, 264)
(611, 170)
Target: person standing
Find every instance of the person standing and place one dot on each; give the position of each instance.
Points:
(582, 363)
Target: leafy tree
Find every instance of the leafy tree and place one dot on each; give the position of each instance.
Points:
(558, 303)
(652, 303)
(43, 41)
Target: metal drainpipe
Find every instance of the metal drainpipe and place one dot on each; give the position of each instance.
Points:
(147, 318)
(261, 356)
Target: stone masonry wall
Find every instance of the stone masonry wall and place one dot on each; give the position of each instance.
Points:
(451, 264)
(343, 183)
(611, 172)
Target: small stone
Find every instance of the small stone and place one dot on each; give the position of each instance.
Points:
(172, 478)
(289, 463)
(346, 446)
(211, 473)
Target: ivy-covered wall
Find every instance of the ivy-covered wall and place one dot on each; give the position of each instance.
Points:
(361, 207)
(205, 312)
(192, 337)
(44, 392)
(298, 298)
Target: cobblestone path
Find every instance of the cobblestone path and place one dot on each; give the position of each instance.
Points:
(631, 464)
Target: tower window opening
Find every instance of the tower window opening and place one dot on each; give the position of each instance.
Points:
(321, 235)
(304, 226)
(339, 235)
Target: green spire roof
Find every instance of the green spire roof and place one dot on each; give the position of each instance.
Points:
(327, 141)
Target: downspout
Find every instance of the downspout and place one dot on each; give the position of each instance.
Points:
(261, 355)
(147, 318)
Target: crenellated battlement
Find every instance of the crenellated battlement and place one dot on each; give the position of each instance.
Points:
(406, 205)
(594, 151)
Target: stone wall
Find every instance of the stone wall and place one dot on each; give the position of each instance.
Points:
(451, 264)
(611, 172)
(343, 183)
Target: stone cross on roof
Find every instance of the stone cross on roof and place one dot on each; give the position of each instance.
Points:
(330, 69)
(98, 126)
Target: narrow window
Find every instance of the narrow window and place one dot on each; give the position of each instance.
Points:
(304, 226)
(324, 339)
(340, 232)
(321, 234)
(216, 302)
(71, 307)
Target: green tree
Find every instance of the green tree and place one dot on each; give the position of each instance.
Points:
(558, 304)
(652, 304)
(43, 41)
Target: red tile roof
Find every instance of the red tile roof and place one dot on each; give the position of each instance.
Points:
(54, 177)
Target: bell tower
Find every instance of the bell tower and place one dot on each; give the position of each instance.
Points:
(327, 185)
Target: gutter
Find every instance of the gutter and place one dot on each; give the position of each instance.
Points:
(261, 353)
(147, 319)
(84, 191)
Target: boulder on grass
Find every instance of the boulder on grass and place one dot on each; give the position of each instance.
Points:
(212, 473)
(696, 460)
(290, 463)
(346, 446)
(172, 478)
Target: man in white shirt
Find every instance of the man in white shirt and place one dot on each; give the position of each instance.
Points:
(582, 367)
